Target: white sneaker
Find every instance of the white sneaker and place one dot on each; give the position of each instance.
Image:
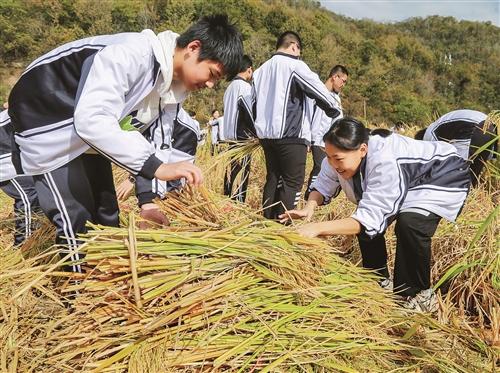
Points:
(386, 284)
(424, 301)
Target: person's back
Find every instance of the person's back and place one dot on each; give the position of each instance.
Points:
(467, 131)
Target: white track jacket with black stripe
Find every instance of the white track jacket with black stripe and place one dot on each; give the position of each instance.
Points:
(72, 99)
(400, 173)
(280, 88)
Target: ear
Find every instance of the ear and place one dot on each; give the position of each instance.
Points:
(363, 149)
(193, 46)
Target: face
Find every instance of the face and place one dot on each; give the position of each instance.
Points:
(193, 73)
(345, 162)
(216, 114)
(339, 80)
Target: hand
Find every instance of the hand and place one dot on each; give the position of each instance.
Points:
(152, 216)
(178, 170)
(124, 189)
(309, 230)
(296, 214)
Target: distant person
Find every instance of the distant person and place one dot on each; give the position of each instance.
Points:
(213, 123)
(321, 122)
(280, 88)
(391, 178)
(467, 131)
(239, 126)
(68, 128)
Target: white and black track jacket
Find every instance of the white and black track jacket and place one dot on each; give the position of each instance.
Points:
(321, 123)
(175, 136)
(238, 117)
(456, 127)
(279, 89)
(71, 99)
(7, 169)
(398, 174)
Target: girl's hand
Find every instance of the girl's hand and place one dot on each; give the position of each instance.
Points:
(124, 189)
(296, 214)
(309, 230)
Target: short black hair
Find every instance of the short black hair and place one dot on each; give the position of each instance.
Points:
(338, 68)
(246, 62)
(287, 38)
(220, 41)
(214, 110)
(192, 113)
(420, 134)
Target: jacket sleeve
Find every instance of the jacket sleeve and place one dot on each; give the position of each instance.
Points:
(385, 192)
(106, 78)
(327, 183)
(314, 88)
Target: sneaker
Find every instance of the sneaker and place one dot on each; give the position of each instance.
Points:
(425, 301)
(386, 284)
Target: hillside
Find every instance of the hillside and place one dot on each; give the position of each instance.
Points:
(404, 72)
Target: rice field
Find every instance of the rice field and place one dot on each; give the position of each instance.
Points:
(224, 290)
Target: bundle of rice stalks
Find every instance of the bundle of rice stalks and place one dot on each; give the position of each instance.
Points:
(255, 297)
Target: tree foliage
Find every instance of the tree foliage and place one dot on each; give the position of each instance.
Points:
(403, 72)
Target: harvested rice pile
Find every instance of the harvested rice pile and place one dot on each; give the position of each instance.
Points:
(251, 296)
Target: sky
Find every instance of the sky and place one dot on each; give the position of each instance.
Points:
(398, 10)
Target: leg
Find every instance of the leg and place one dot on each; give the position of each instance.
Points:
(22, 190)
(245, 176)
(272, 177)
(413, 251)
(318, 155)
(66, 198)
(100, 176)
(374, 253)
(292, 158)
(234, 169)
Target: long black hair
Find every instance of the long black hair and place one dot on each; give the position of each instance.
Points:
(349, 133)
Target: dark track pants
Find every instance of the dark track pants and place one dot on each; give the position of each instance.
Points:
(240, 193)
(80, 191)
(318, 154)
(22, 190)
(286, 162)
(412, 267)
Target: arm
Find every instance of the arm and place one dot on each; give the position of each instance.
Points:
(347, 226)
(324, 188)
(106, 78)
(314, 88)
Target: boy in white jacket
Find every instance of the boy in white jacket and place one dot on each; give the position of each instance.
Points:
(67, 105)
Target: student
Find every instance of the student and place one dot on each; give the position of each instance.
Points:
(280, 87)
(20, 188)
(391, 178)
(239, 126)
(467, 131)
(68, 129)
(321, 122)
(175, 135)
(214, 123)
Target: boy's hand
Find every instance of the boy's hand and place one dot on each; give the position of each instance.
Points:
(178, 170)
(153, 217)
(124, 189)
(296, 214)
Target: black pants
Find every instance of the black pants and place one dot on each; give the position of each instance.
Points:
(26, 206)
(80, 191)
(412, 267)
(318, 154)
(286, 162)
(478, 139)
(240, 194)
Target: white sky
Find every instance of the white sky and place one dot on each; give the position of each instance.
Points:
(398, 10)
